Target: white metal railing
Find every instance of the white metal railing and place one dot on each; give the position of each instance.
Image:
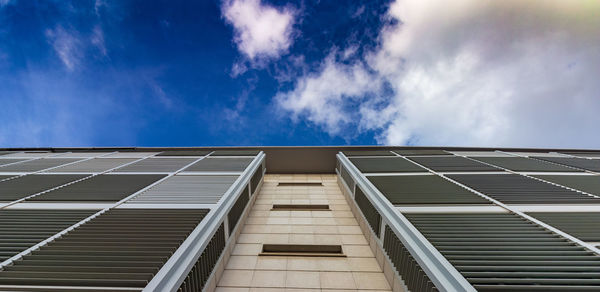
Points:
(444, 275)
(176, 269)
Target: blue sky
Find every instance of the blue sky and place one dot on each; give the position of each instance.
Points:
(252, 72)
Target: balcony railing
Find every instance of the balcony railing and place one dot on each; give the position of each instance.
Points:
(421, 266)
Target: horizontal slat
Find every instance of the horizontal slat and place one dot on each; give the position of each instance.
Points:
(187, 189)
(9, 161)
(368, 153)
(481, 153)
(129, 154)
(538, 154)
(582, 154)
(582, 163)
(36, 165)
(93, 165)
(20, 187)
(81, 154)
(518, 189)
(424, 189)
(524, 263)
(583, 225)
(524, 164)
(28, 154)
(417, 152)
(235, 153)
(587, 183)
(93, 255)
(156, 165)
(220, 164)
(184, 153)
(100, 188)
(21, 229)
(385, 164)
(452, 163)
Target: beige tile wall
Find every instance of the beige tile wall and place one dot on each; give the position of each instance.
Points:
(246, 271)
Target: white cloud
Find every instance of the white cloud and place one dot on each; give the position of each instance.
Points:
(66, 45)
(73, 47)
(261, 31)
(43, 108)
(160, 94)
(97, 39)
(322, 97)
(474, 73)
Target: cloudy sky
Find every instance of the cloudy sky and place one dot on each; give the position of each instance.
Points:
(257, 72)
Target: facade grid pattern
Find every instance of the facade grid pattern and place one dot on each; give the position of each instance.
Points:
(502, 248)
(107, 220)
(193, 219)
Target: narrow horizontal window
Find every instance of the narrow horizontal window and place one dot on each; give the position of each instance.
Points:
(302, 250)
(299, 207)
(300, 184)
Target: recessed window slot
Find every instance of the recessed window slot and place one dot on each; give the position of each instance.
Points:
(300, 184)
(302, 250)
(299, 207)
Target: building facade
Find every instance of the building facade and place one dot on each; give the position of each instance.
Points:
(299, 219)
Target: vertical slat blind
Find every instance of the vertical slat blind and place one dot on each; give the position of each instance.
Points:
(256, 178)
(238, 208)
(196, 279)
(368, 211)
(414, 277)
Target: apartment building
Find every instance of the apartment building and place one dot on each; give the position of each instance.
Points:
(299, 219)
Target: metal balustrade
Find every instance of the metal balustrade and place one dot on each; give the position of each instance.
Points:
(368, 210)
(413, 275)
(425, 257)
(196, 279)
(178, 272)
